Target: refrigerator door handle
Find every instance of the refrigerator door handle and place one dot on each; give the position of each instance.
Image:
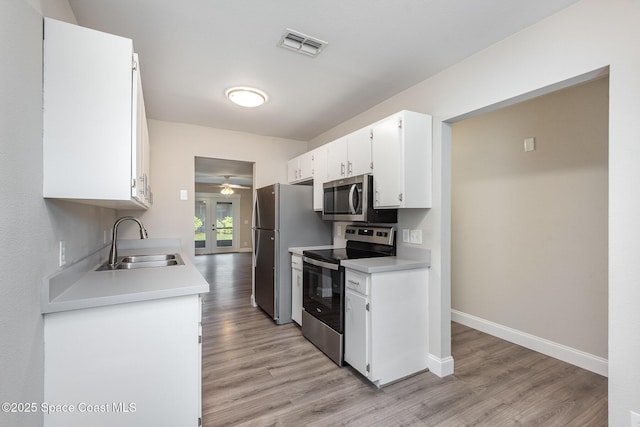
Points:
(256, 247)
(256, 211)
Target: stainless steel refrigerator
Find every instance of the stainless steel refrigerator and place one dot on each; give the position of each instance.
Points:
(283, 218)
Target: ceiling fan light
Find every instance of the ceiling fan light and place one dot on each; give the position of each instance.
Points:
(246, 96)
(226, 190)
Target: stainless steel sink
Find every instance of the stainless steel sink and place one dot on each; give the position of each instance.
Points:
(148, 258)
(145, 264)
(143, 261)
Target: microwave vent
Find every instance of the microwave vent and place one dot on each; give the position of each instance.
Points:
(302, 43)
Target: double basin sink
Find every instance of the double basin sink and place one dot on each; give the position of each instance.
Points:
(143, 261)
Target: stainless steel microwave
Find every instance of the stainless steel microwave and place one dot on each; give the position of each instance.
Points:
(351, 199)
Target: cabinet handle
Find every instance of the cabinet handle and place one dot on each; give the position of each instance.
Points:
(353, 282)
(341, 168)
(377, 197)
(350, 168)
(400, 196)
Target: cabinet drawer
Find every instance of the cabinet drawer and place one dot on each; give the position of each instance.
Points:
(358, 282)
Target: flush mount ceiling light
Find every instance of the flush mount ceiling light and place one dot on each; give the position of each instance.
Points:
(246, 96)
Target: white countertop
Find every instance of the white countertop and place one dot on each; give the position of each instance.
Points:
(417, 259)
(80, 286)
(383, 264)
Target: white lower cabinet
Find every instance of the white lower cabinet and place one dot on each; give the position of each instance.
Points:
(296, 288)
(135, 364)
(357, 323)
(386, 323)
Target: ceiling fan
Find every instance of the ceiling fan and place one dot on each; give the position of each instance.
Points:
(227, 187)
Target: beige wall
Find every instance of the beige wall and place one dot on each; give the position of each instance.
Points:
(246, 210)
(529, 229)
(173, 149)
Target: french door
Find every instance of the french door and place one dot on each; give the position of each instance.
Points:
(216, 223)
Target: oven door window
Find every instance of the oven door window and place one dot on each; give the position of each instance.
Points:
(323, 294)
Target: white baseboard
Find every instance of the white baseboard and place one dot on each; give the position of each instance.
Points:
(440, 367)
(576, 357)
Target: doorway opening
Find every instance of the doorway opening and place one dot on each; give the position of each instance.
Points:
(223, 206)
(529, 220)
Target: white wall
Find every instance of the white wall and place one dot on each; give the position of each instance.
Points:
(174, 147)
(580, 39)
(529, 229)
(29, 225)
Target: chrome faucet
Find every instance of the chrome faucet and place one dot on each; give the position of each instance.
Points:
(113, 253)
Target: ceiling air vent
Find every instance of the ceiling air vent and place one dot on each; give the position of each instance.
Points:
(302, 43)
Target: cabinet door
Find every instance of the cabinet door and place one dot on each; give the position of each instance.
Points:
(87, 114)
(359, 152)
(292, 170)
(122, 354)
(387, 164)
(296, 289)
(139, 140)
(337, 159)
(319, 176)
(305, 166)
(296, 296)
(356, 332)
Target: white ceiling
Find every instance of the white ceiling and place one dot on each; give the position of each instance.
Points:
(217, 171)
(192, 51)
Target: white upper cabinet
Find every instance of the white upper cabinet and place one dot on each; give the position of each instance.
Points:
(140, 189)
(300, 168)
(95, 136)
(292, 170)
(401, 153)
(337, 159)
(311, 165)
(349, 155)
(319, 176)
(359, 152)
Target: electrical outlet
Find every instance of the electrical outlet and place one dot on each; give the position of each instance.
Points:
(529, 144)
(635, 419)
(105, 236)
(416, 237)
(405, 235)
(62, 256)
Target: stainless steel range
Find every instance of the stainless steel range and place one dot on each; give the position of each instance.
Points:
(324, 287)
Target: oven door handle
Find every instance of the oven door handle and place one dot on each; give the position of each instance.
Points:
(321, 263)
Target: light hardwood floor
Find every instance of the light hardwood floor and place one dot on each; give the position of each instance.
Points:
(258, 374)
